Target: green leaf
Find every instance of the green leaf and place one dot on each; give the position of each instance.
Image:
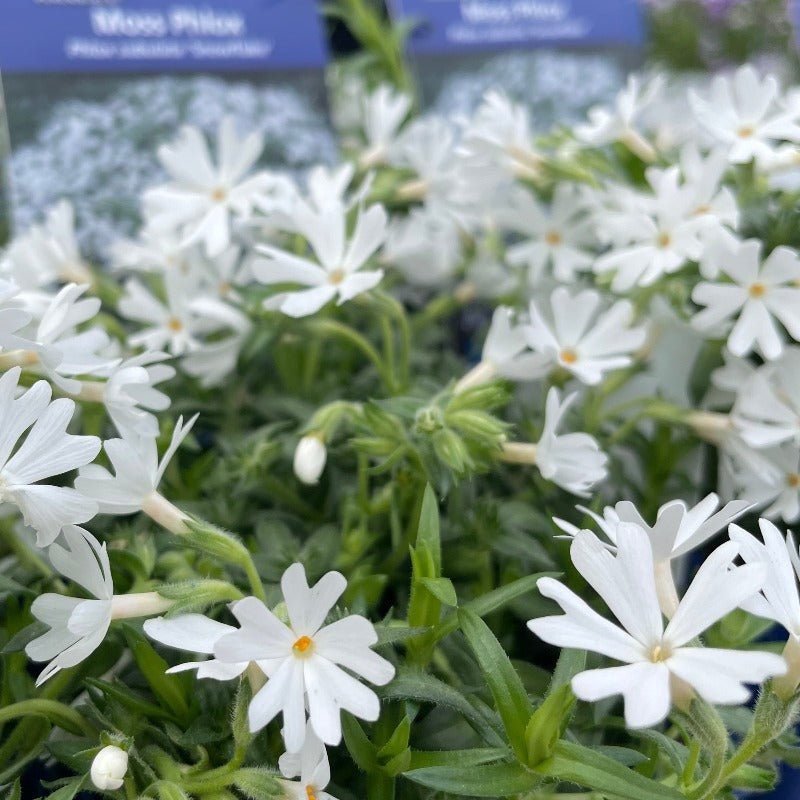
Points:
(754, 778)
(442, 589)
(599, 773)
(125, 697)
(197, 595)
(10, 586)
(393, 633)
(17, 643)
(15, 792)
(483, 780)
(506, 686)
(570, 663)
(412, 684)
(358, 745)
(421, 759)
(545, 726)
(428, 530)
(165, 687)
(69, 790)
(239, 723)
(491, 601)
(170, 791)
(398, 741)
(257, 784)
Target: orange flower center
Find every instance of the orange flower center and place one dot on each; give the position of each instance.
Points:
(793, 480)
(174, 324)
(337, 276)
(569, 356)
(302, 644)
(310, 793)
(553, 238)
(757, 290)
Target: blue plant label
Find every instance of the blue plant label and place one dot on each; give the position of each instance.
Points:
(43, 36)
(454, 26)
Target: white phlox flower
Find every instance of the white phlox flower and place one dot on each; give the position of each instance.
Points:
(767, 407)
(745, 114)
(202, 199)
(558, 237)
(659, 666)
(304, 659)
(309, 459)
(655, 238)
(109, 768)
(77, 627)
(383, 112)
(63, 351)
(338, 273)
(13, 319)
(578, 340)
(137, 473)
(505, 354)
(760, 294)
(620, 125)
(47, 450)
(573, 461)
(195, 633)
(500, 134)
(154, 251)
(775, 485)
(47, 253)
(310, 766)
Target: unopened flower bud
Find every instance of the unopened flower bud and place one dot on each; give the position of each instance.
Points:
(109, 768)
(309, 458)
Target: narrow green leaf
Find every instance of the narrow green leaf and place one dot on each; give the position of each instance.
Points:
(359, 746)
(412, 684)
(509, 694)
(69, 790)
(422, 759)
(570, 663)
(15, 792)
(545, 726)
(128, 699)
(398, 741)
(599, 773)
(754, 778)
(428, 529)
(483, 780)
(442, 589)
(165, 687)
(257, 783)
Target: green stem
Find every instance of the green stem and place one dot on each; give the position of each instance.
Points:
(254, 579)
(334, 328)
(749, 747)
(58, 713)
(388, 350)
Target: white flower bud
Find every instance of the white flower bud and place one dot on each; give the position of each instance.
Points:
(309, 458)
(109, 768)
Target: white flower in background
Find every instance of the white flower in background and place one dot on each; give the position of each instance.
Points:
(179, 324)
(203, 198)
(706, 198)
(767, 407)
(654, 237)
(310, 456)
(658, 666)
(46, 451)
(557, 237)
(499, 134)
(153, 251)
(328, 187)
(505, 354)
(47, 253)
(745, 113)
(304, 659)
(212, 362)
(12, 318)
(759, 294)
(195, 633)
(77, 626)
(578, 342)
(383, 112)
(338, 273)
(310, 766)
(137, 469)
(109, 768)
(62, 349)
(425, 245)
(129, 393)
(620, 125)
(774, 484)
(573, 461)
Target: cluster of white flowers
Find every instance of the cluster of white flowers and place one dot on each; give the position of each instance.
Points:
(226, 245)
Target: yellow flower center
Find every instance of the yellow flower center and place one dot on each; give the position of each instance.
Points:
(700, 210)
(746, 131)
(659, 653)
(302, 644)
(664, 240)
(337, 276)
(310, 792)
(757, 290)
(219, 195)
(174, 324)
(569, 356)
(553, 238)
(793, 480)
